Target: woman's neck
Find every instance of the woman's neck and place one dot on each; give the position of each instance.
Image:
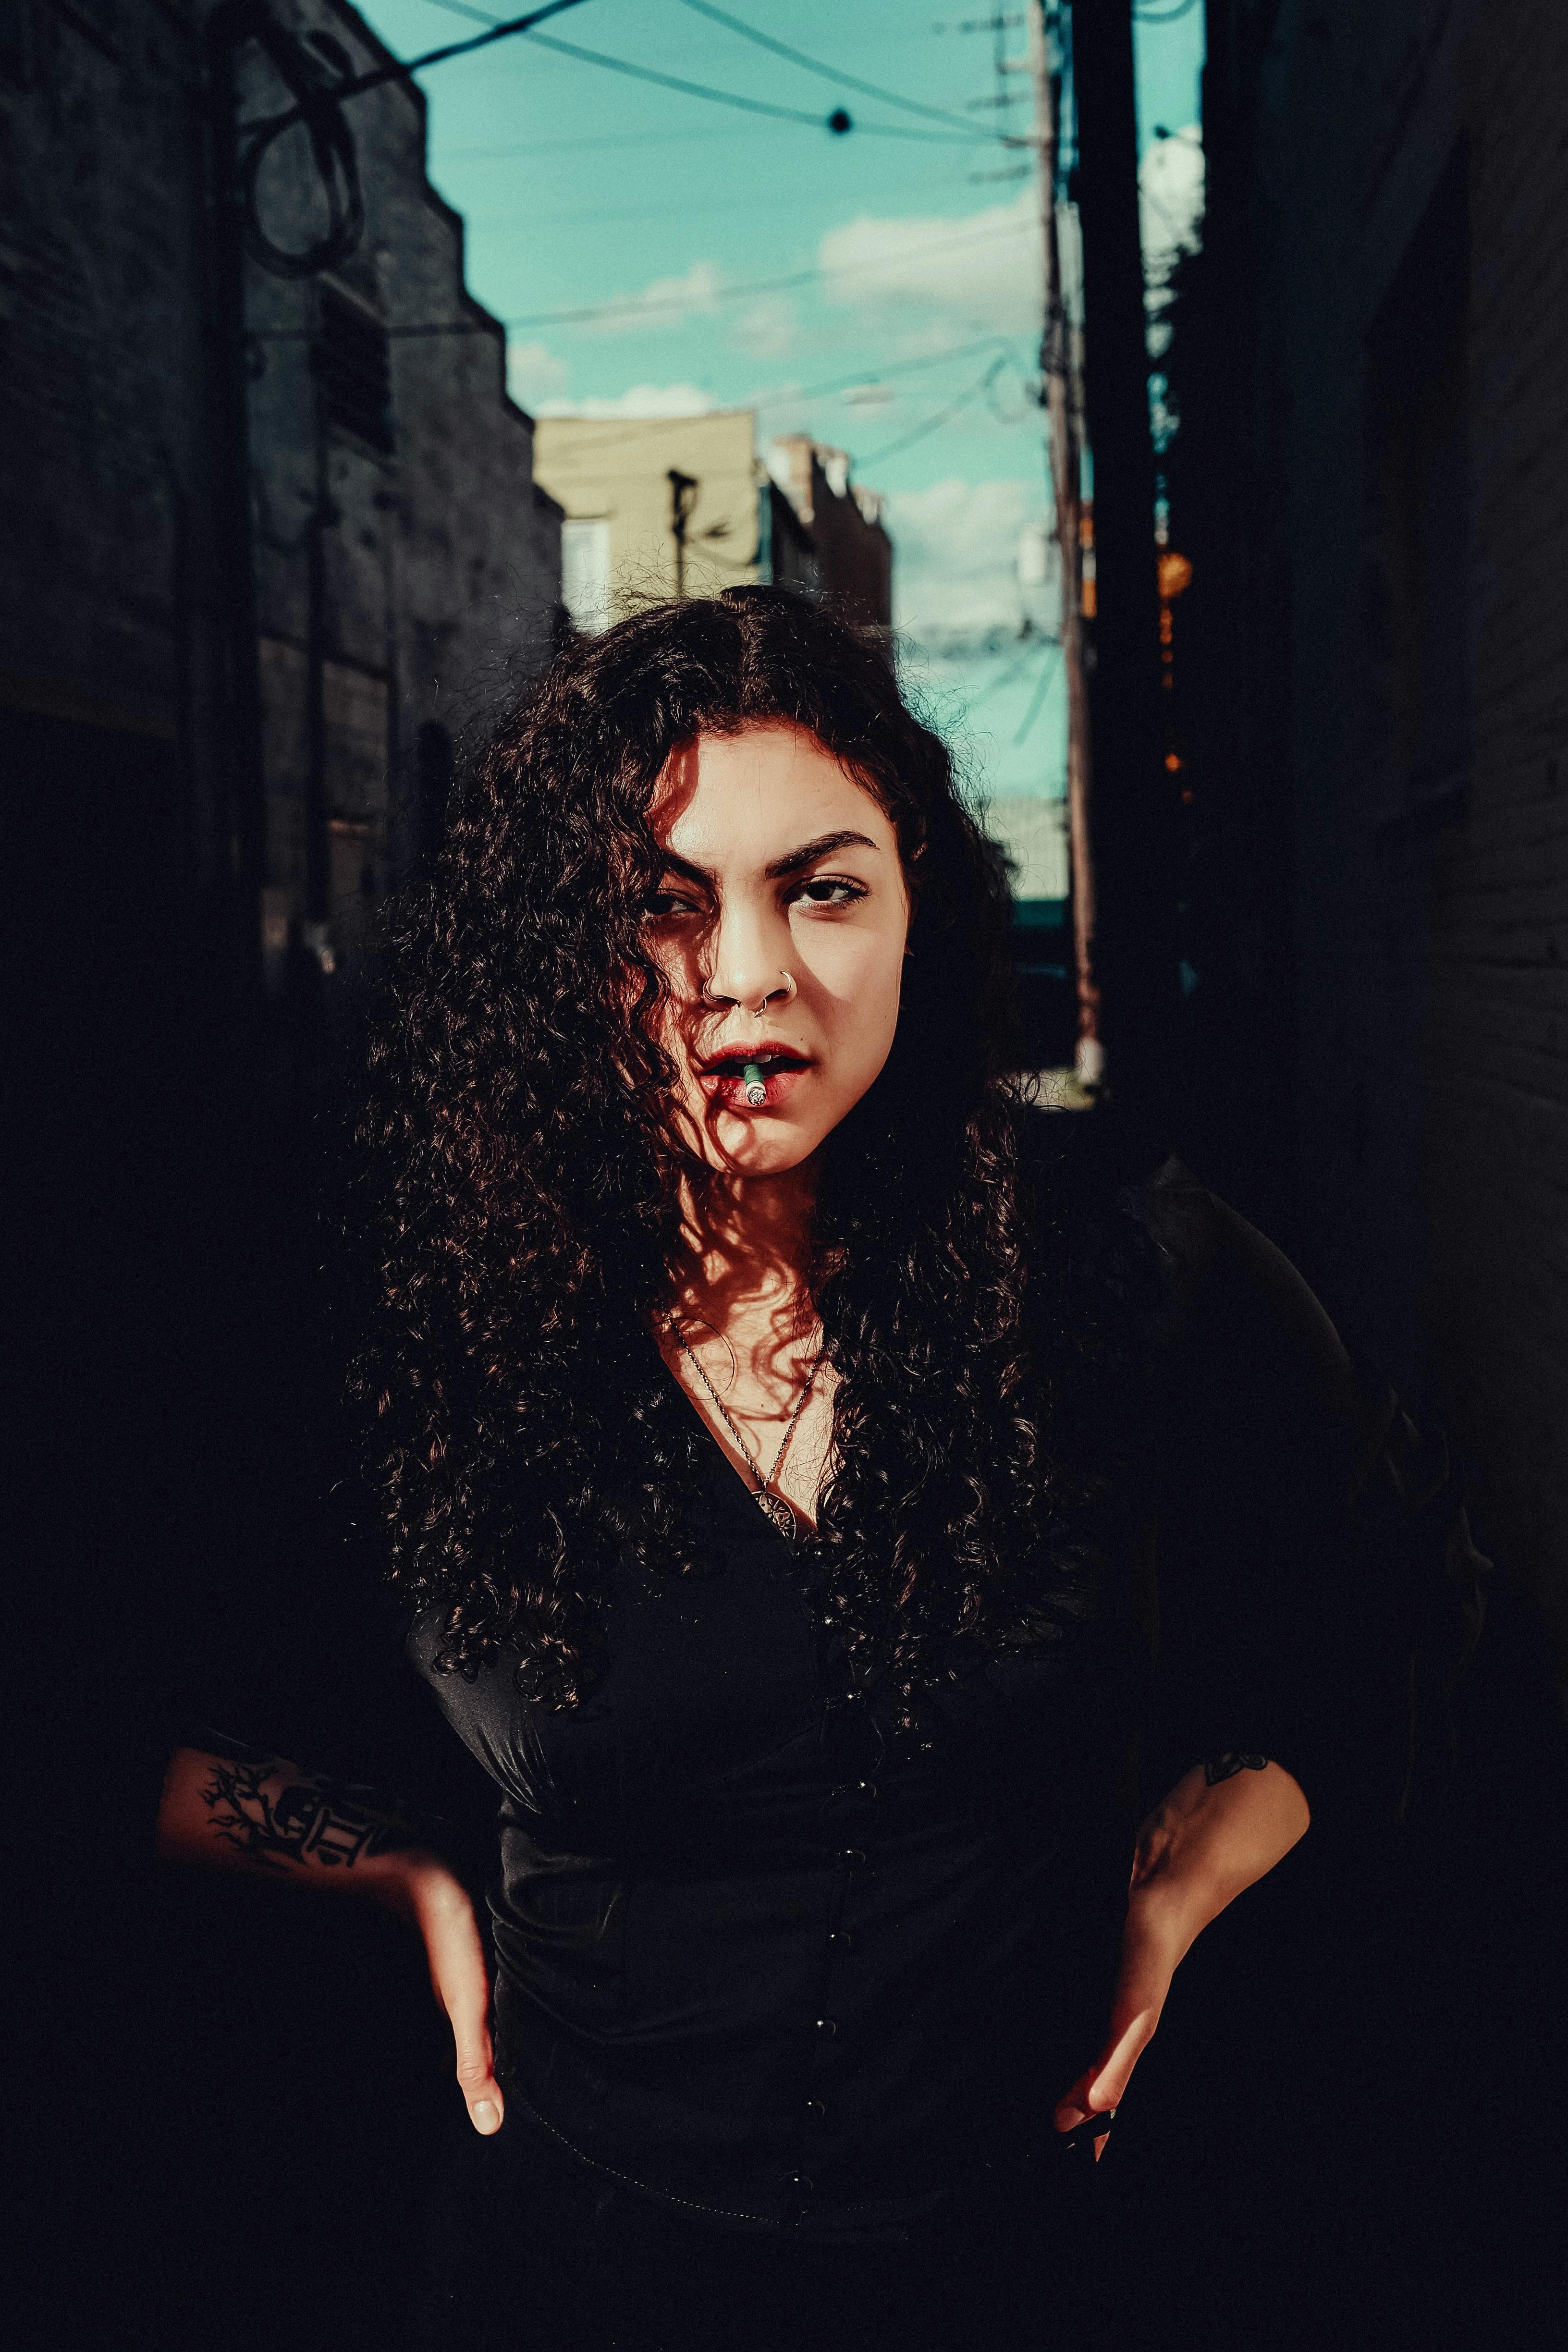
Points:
(746, 1248)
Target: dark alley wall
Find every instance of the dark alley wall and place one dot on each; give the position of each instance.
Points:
(1374, 489)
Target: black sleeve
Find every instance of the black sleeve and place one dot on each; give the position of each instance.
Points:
(1314, 1565)
(297, 1651)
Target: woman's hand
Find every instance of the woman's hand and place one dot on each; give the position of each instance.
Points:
(263, 1815)
(1149, 1954)
(1196, 1852)
(438, 1905)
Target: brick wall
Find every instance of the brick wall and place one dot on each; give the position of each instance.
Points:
(438, 568)
(439, 564)
(105, 482)
(1423, 537)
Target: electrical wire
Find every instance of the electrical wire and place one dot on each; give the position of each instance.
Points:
(827, 73)
(1015, 668)
(838, 121)
(318, 73)
(635, 306)
(1042, 684)
(943, 417)
(641, 427)
(314, 76)
(726, 211)
(617, 140)
(404, 69)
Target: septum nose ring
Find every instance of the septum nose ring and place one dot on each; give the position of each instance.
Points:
(789, 992)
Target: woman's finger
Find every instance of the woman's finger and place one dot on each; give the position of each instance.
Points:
(1103, 2085)
(467, 2011)
(1143, 1983)
(462, 1986)
(1108, 2085)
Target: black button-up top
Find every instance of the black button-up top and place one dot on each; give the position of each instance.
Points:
(762, 1958)
(753, 1954)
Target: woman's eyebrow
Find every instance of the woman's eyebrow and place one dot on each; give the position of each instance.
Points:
(673, 864)
(794, 860)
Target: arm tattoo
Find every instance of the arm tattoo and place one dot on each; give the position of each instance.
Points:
(1225, 1767)
(307, 1820)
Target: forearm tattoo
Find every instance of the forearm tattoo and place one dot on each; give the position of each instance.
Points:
(305, 1820)
(1225, 1767)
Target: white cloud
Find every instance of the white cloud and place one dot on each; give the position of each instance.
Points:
(534, 375)
(1170, 198)
(665, 302)
(767, 328)
(956, 556)
(642, 400)
(985, 266)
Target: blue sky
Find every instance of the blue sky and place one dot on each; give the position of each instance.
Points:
(919, 270)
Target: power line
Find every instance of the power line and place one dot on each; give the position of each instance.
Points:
(638, 427)
(583, 146)
(1042, 687)
(1013, 668)
(404, 69)
(839, 384)
(790, 205)
(934, 424)
(838, 121)
(827, 73)
(634, 306)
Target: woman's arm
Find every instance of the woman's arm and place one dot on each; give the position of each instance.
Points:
(266, 1816)
(1223, 1827)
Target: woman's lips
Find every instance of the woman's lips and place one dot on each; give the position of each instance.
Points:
(728, 1088)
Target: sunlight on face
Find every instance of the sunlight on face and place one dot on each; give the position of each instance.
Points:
(780, 921)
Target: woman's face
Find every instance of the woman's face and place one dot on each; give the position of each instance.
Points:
(780, 921)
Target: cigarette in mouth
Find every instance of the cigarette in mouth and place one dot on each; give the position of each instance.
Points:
(755, 1084)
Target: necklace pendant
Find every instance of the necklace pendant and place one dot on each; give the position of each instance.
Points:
(780, 1513)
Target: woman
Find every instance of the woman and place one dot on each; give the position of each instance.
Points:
(786, 1433)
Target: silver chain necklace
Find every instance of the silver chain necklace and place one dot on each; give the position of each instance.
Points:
(777, 1507)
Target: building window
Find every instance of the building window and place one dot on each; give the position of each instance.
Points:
(585, 574)
(353, 361)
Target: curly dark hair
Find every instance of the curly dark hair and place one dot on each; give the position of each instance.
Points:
(528, 1433)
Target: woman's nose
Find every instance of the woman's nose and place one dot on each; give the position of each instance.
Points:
(747, 966)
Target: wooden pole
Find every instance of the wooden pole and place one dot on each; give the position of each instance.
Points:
(1135, 841)
(1059, 395)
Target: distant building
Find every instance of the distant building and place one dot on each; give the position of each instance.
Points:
(854, 553)
(663, 506)
(654, 507)
(404, 564)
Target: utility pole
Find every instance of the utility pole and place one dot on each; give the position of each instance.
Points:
(683, 498)
(1133, 813)
(1060, 397)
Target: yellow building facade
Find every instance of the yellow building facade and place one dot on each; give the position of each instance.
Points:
(655, 507)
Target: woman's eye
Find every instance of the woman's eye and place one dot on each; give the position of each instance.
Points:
(829, 891)
(663, 906)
